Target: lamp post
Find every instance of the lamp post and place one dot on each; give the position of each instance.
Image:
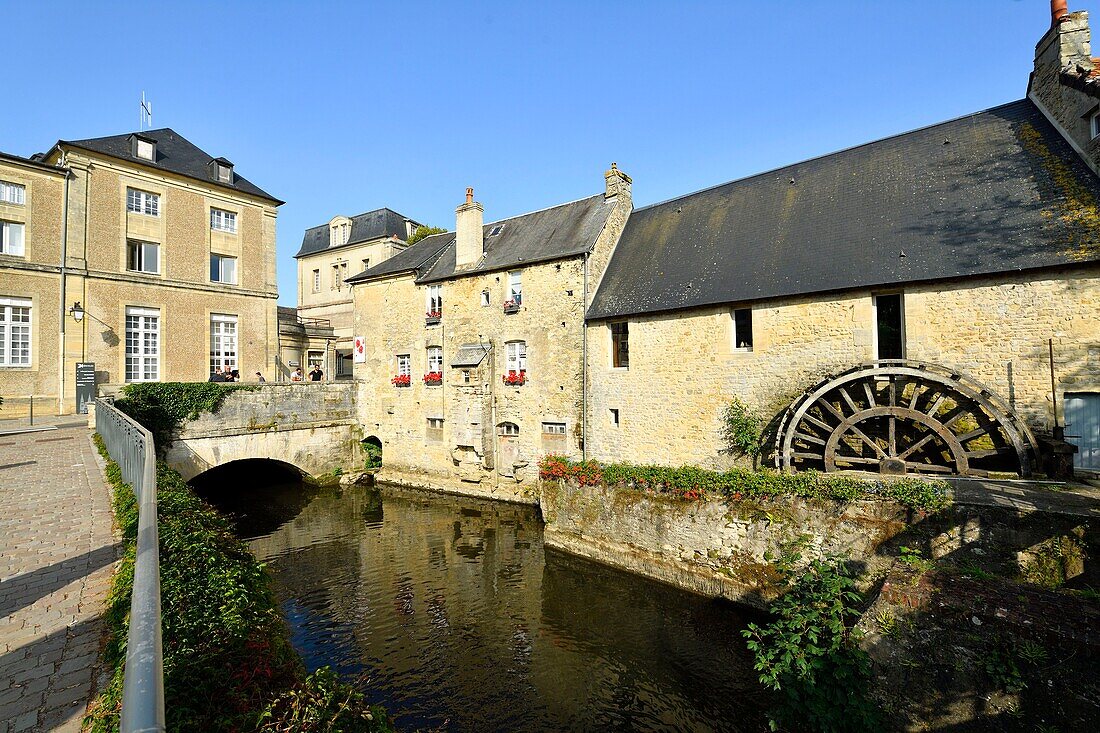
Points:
(77, 312)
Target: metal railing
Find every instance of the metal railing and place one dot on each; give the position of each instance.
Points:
(131, 447)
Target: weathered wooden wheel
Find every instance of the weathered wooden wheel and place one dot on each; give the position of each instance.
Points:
(903, 417)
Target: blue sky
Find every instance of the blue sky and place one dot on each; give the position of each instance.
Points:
(347, 107)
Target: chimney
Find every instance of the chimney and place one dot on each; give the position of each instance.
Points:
(617, 182)
(469, 231)
(1066, 46)
(1058, 10)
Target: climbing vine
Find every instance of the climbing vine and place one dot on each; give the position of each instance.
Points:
(163, 406)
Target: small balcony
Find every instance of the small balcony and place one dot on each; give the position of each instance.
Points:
(402, 380)
(515, 379)
(432, 318)
(512, 306)
(433, 379)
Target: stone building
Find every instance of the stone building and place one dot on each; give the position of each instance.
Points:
(164, 253)
(973, 244)
(474, 343)
(329, 254)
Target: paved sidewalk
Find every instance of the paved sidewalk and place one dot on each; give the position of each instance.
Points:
(57, 554)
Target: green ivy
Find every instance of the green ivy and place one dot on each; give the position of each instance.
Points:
(228, 662)
(163, 406)
(693, 483)
(741, 429)
(809, 654)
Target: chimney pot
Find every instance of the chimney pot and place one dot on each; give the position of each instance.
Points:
(470, 195)
(1058, 10)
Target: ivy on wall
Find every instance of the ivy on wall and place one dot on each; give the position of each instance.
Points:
(163, 406)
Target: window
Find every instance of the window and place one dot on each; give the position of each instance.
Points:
(742, 329)
(1094, 125)
(435, 300)
(145, 149)
(434, 433)
(484, 298)
(344, 364)
(339, 234)
(620, 345)
(314, 359)
(225, 172)
(889, 327)
(509, 428)
(516, 356)
(141, 202)
(515, 287)
(435, 359)
(435, 423)
(223, 221)
(223, 342)
(366, 264)
(553, 428)
(465, 376)
(496, 230)
(142, 344)
(142, 256)
(11, 238)
(404, 365)
(12, 193)
(223, 269)
(614, 416)
(15, 332)
(316, 281)
(339, 273)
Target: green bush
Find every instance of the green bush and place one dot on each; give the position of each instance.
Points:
(694, 483)
(809, 655)
(741, 429)
(163, 406)
(227, 654)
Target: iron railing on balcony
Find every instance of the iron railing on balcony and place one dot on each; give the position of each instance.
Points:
(131, 447)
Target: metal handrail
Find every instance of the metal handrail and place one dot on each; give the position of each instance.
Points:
(131, 446)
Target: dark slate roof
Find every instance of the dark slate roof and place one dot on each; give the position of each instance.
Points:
(364, 227)
(996, 191)
(174, 153)
(549, 234)
(469, 355)
(33, 162)
(416, 258)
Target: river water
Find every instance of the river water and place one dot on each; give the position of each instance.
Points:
(452, 614)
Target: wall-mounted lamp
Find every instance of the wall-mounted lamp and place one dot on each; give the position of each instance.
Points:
(77, 312)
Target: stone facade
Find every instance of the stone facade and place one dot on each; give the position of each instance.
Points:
(683, 367)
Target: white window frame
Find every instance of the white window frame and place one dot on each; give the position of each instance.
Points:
(13, 239)
(315, 358)
(515, 286)
(223, 341)
(142, 202)
(553, 428)
(435, 423)
(484, 298)
(435, 299)
(509, 429)
(13, 193)
(435, 359)
(16, 327)
(142, 256)
(1094, 125)
(222, 260)
(404, 364)
(515, 357)
(223, 221)
(142, 344)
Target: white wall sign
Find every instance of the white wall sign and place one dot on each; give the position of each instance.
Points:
(359, 355)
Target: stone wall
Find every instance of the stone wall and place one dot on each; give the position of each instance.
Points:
(683, 369)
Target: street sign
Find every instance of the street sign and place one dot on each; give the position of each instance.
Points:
(85, 385)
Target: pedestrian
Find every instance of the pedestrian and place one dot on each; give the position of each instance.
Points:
(227, 374)
(316, 374)
(261, 378)
(236, 375)
(216, 375)
(297, 376)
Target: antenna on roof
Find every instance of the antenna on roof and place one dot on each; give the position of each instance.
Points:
(146, 114)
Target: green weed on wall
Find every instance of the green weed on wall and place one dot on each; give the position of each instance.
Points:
(163, 406)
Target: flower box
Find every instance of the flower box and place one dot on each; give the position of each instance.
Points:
(433, 379)
(511, 306)
(432, 318)
(515, 379)
(402, 380)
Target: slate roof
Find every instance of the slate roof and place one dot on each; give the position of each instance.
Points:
(996, 191)
(469, 355)
(33, 162)
(174, 153)
(366, 226)
(549, 234)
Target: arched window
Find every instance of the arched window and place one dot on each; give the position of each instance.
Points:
(509, 428)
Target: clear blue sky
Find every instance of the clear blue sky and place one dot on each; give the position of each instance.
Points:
(347, 107)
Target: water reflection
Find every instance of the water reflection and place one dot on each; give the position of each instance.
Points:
(453, 615)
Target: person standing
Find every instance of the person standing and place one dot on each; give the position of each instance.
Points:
(260, 377)
(316, 375)
(297, 376)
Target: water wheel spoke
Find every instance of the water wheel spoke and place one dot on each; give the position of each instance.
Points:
(809, 438)
(931, 411)
(971, 435)
(916, 395)
(893, 391)
(987, 452)
(863, 436)
(916, 446)
(893, 435)
(857, 459)
(848, 400)
(928, 467)
(806, 456)
(870, 394)
(832, 408)
(819, 423)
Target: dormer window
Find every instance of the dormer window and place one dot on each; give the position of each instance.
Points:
(144, 147)
(222, 170)
(1094, 125)
(339, 231)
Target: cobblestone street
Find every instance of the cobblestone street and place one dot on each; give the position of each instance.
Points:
(57, 553)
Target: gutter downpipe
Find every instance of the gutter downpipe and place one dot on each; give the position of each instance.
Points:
(61, 311)
(584, 365)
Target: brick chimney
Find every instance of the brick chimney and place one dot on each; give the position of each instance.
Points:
(1062, 84)
(469, 233)
(616, 182)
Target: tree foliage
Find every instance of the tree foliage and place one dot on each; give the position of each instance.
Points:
(423, 231)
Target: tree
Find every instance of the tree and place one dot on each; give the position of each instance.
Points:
(423, 231)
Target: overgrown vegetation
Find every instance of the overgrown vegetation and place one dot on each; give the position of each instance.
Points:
(373, 453)
(809, 655)
(163, 406)
(228, 662)
(423, 231)
(741, 428)
(691, 483)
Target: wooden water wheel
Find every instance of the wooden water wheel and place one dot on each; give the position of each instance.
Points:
(903, 417)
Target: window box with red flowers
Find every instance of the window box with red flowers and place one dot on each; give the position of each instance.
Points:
(432, 318)
(402, 380)
(433, 379)
(511, 306)
(515, 379)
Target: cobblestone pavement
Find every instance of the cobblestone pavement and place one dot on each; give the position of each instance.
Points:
(57, 555)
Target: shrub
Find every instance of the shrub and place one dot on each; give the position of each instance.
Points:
(163, 406)
(741, 429)
(809, 655)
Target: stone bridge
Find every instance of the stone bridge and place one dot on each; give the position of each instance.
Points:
(311, 426)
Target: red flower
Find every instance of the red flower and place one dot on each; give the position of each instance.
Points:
(432, 377)
(402, 380)
(514, 378)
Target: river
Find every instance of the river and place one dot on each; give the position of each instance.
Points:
(452, 614)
